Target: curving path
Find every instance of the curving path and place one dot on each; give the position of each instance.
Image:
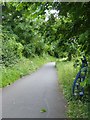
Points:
(27, 96)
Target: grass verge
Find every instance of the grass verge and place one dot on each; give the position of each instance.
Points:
(76, 108)
(22, 68)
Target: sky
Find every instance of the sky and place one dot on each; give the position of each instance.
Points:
(49, 12)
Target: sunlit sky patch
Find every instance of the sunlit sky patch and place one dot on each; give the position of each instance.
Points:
(49, 12)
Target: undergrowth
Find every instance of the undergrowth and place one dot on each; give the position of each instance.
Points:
(76, 108)
(22, 68)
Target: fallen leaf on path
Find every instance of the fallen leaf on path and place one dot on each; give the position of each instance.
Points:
(43, 110)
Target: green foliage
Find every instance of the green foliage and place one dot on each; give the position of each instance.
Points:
(43, 110)
(11, 49)
(66, 76)
(27, 33)
(66, 33)
(84, 39)
(22, 68)
(76, 108)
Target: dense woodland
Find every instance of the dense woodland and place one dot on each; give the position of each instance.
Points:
(57, 29)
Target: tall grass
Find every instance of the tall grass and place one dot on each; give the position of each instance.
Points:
(76, 108)
(22, 68)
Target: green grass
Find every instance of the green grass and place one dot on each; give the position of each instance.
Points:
(22, 68)
(76, 108)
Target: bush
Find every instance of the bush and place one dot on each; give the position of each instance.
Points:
(11, 49)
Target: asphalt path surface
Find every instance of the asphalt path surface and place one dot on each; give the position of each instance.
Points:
(29, 95)
(0, 103)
